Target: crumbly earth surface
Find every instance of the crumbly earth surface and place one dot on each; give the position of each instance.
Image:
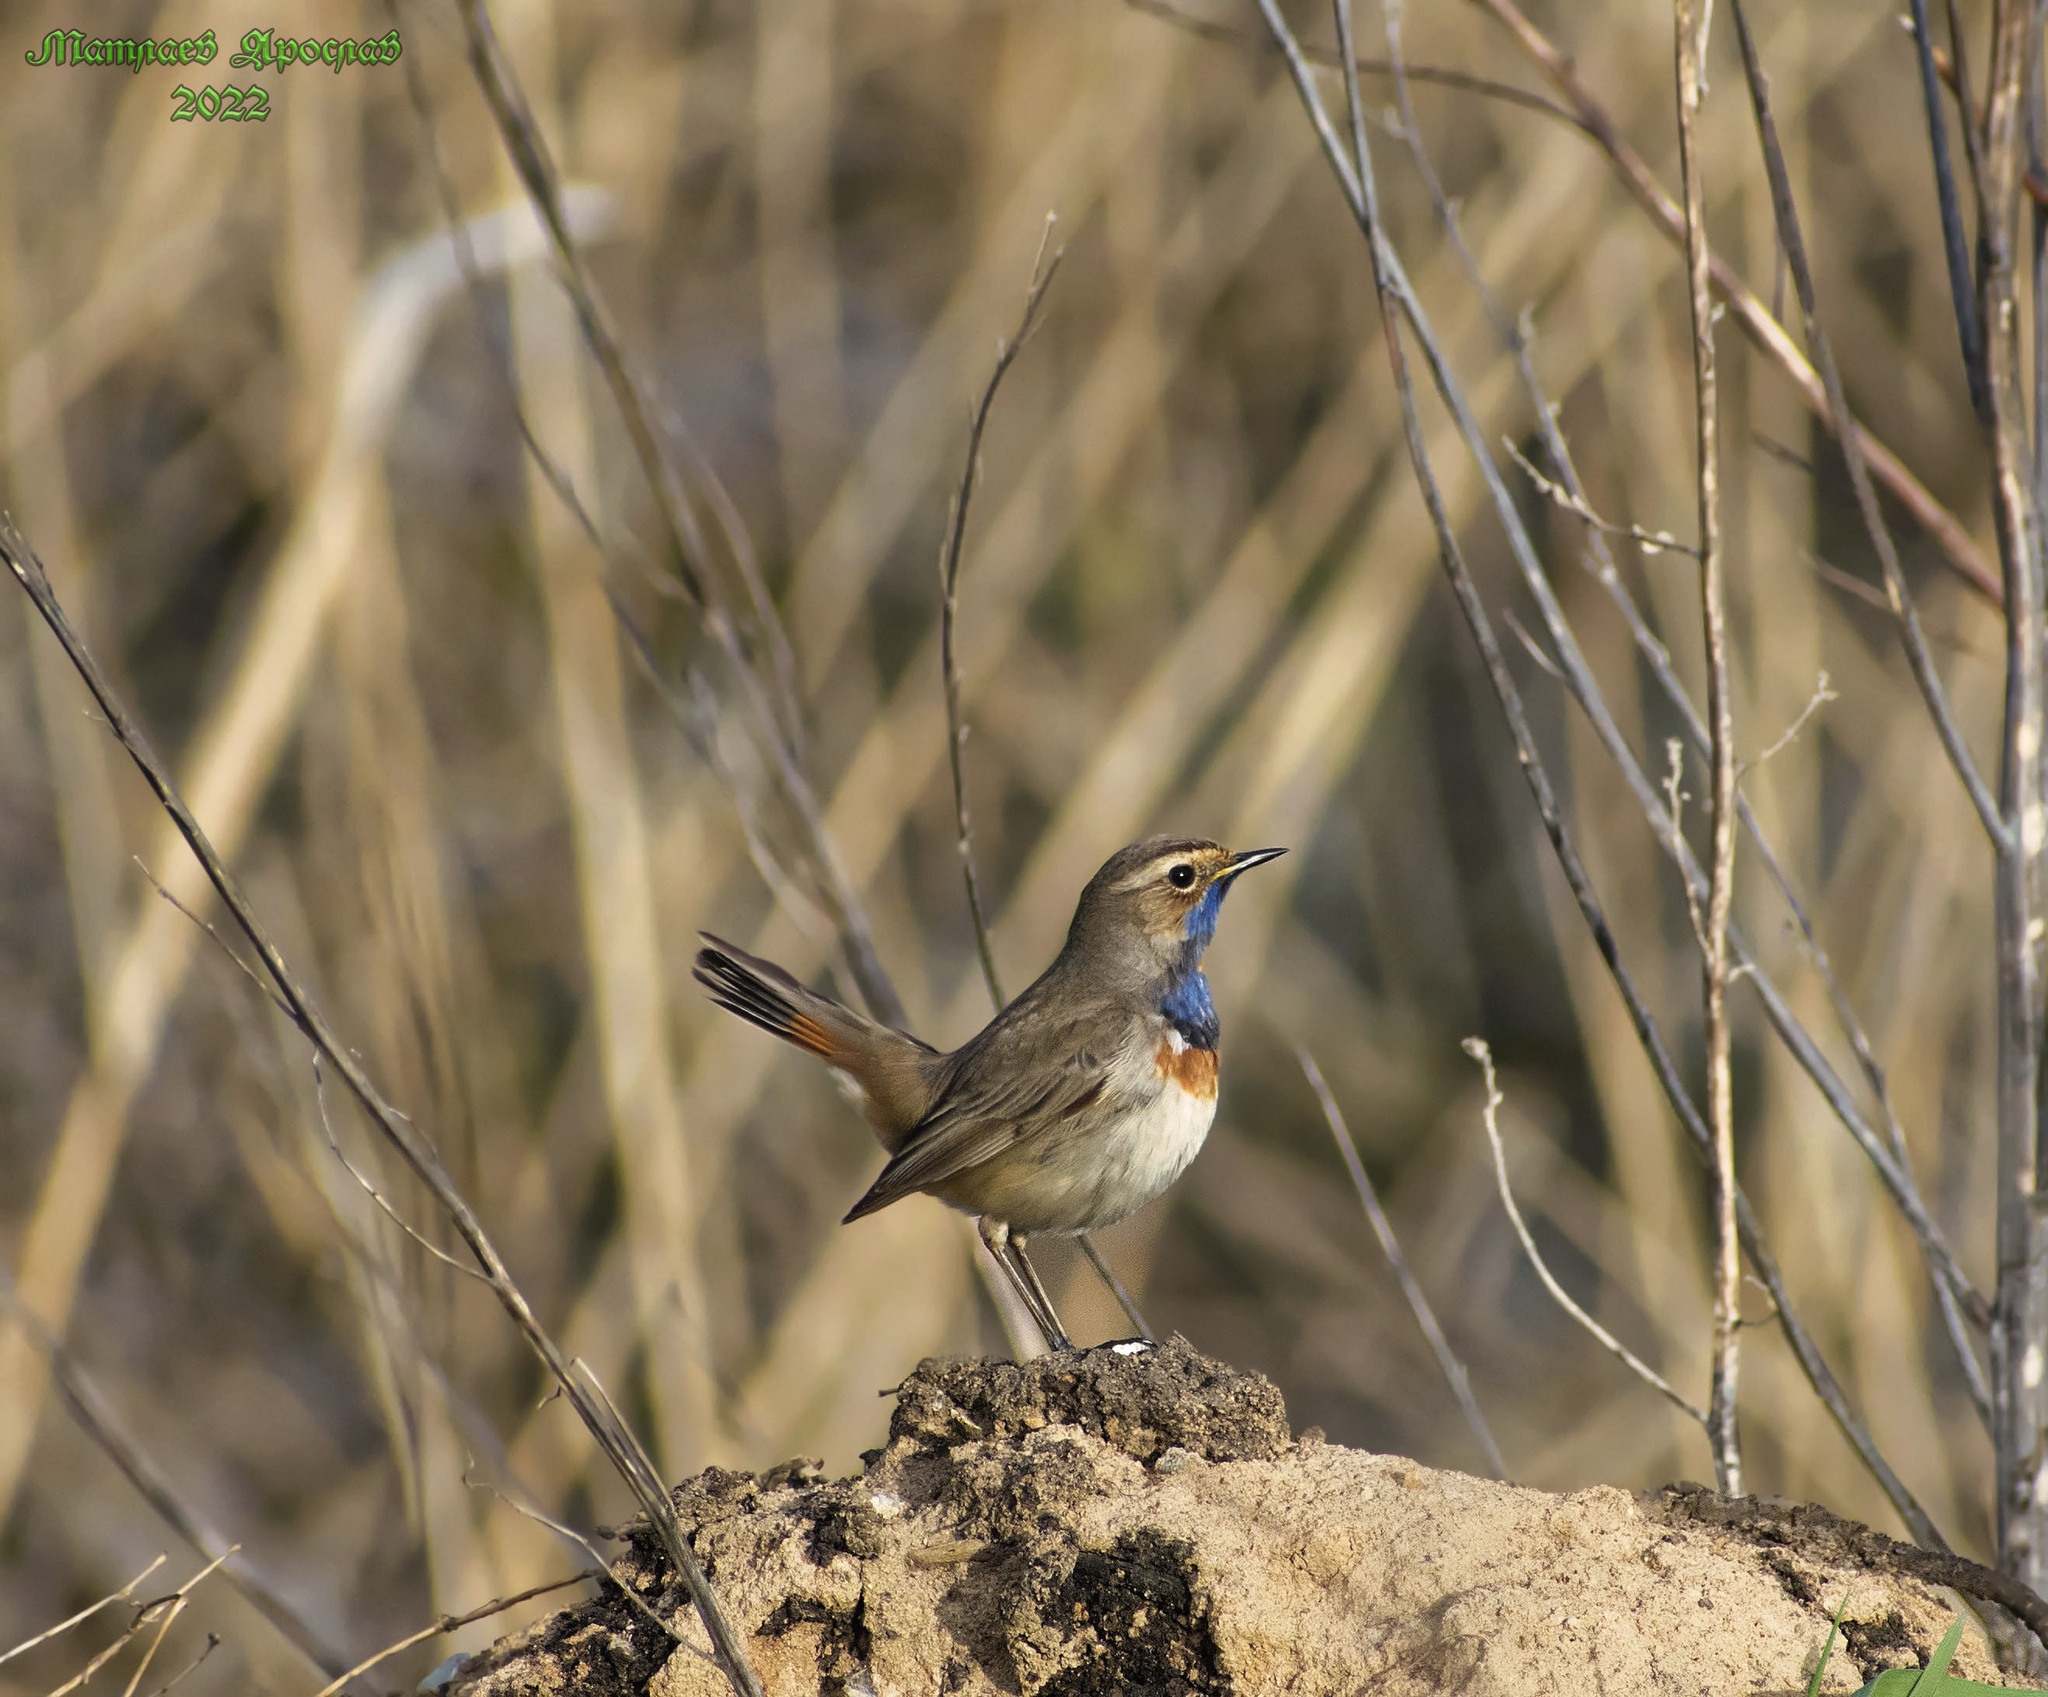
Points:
(1145, 1524)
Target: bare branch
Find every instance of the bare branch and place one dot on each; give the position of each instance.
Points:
(571, 1535)
(1398, 303)
(1854, 449)
(159, 1611)
(1477, 1049)
(1954, 241)
(84, 1614)
(1107, 1274)
(1823, 693)
(1894, 1171)
(2002, 823)
(370, 1190)
(1042, 274)
(1573, 502)
(1690, 27)
(191, 1667)
(1382, 1228)
(1958, 549)
(450, 1623)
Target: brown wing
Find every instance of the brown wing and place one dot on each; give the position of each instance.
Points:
(986, 1113)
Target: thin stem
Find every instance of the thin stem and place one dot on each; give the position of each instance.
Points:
(451, 1623)
(2019, 1332)
(84, 1614)
(1382, 1228)
(1042, 273)
(1954, 243)
(1477, 1049)
(1896, 1176)
(1721, 1423)
(1907, 616)
(1107, 1274)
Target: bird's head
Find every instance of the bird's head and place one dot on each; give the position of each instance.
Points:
(1152, 908)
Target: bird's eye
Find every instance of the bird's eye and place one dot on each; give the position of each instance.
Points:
(1182, 877)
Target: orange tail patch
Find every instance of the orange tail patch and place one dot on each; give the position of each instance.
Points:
(740, 989)
(807, 1033)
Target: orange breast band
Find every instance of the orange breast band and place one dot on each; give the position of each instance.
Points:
(1194, 1070)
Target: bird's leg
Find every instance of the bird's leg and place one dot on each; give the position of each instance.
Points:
(995, 1236)
(1057, 1336)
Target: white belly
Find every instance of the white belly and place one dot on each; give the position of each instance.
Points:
(1100, 1174)
(1150, 1149)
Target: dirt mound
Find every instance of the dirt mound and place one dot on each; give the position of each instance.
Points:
(1144, 1523)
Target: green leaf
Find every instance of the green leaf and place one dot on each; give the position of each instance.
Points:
(1834, 1626)
(1930, 1682)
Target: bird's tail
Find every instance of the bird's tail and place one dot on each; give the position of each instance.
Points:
(892, 1073)
(762, 994)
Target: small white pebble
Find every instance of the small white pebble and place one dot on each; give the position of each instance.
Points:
(1172, 1461)
(884, 1503)
(1136, 1346)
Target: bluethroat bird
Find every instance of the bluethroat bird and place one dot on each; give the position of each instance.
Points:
(1078, 1103)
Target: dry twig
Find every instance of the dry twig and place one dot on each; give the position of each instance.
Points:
(1690, 24)
(1390, 1246)
(1959, 1301)
(83, 1615)
(1477, 1049)
(451, 1623)
(1042, 272)
(159, 1612)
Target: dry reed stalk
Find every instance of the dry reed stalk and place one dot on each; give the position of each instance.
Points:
(1689, 26)
(800, 298)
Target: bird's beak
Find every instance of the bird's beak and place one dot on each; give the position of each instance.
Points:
(1246, 861)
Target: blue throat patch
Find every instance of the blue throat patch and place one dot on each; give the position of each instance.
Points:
(1186, 1004)
(1189, 1011)
(1200, 928)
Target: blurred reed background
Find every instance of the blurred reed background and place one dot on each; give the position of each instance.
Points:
(269, 454)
